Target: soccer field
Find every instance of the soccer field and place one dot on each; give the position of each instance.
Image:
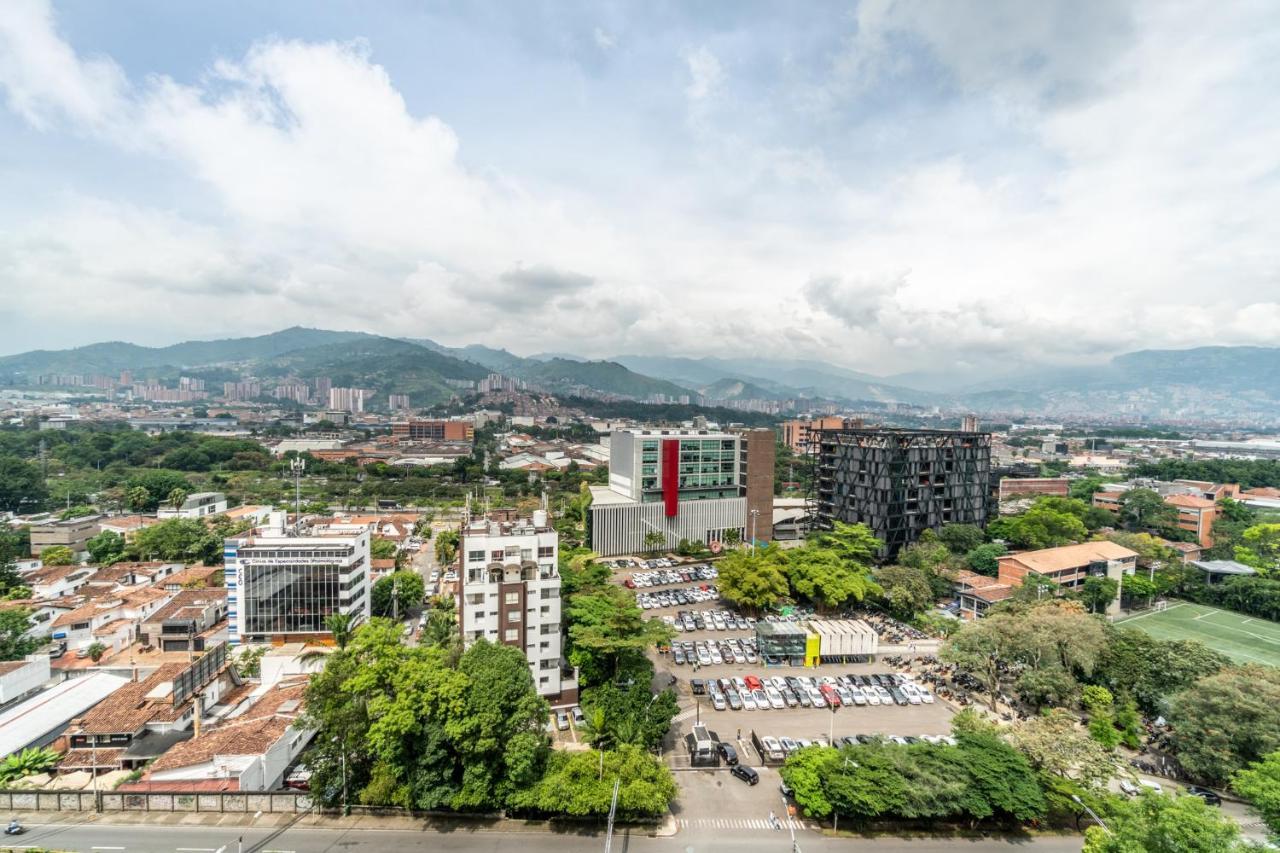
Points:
(1242, 638)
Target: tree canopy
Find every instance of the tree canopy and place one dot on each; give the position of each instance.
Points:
(1226, 721)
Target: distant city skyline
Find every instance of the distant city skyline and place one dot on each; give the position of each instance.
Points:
(888, 186)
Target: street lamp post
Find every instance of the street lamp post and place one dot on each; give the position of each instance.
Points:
(786, 810)
(1092, 814)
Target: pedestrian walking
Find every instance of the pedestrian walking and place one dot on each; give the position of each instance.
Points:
(773, 821)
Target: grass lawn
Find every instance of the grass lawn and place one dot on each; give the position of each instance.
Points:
(1244, 639)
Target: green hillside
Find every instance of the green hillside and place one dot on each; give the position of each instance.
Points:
(605, 376)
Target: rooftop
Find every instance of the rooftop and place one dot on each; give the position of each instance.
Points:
(1048, 560)
(29, 721)
(1224, 567)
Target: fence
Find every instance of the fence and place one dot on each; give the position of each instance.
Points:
(153, 801)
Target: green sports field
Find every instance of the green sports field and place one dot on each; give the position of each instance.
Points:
(1244, 639)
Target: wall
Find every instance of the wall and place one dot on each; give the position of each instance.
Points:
(24, 679)
(620, 528)
(153, 801)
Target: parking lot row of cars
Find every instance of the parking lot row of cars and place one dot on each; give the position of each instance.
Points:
(709, 620)
(753, 693)
(677, 597)
(667, 577)
(708, 652)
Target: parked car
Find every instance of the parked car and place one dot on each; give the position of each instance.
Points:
(578, 718)
(562, 721)
(728, 753)
(1210, 797)
(718, 701)
(746, 774)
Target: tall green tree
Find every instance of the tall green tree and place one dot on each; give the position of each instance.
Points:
(1259, 783)
(906, 591)
(14, 624)
(409, 593)
(961, 538)
(1144, 509)
(1227, 721)
(754, 582)
(446, 547)
(580, 784)
(105, 548)
(608, 633)
(22, 487)
(826, 579)
(1098, 592)
(1160, 823)
(985, 559)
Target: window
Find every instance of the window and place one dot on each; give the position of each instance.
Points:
(513, 616)
(512, 598)
(511, 635)
(546, 551)
(475, 556)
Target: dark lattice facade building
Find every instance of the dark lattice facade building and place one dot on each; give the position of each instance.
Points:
(901, 482)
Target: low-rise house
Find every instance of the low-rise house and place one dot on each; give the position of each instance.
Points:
(126, 526)
(58, 581)
(179, 626)
(143, 719)
(74, 533)
(197, 505)
(109, 617)
(250, 750)
(976, 593)
(1071, 565)
(193, 577)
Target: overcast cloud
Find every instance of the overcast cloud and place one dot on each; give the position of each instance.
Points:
(890, 186)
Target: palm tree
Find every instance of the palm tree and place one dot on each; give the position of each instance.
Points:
(177, 498)
(341, 625)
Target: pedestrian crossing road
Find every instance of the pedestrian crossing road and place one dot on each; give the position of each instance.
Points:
(741, 823)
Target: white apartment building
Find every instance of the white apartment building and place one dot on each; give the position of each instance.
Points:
(282, 588)
(198, 505)
(510, 593)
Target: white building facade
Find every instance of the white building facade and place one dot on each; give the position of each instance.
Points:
(284, 588)
(510, 593)
(198, 505)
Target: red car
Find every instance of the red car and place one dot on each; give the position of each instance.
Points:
(829, 693)
(753, 682)
(629, 583)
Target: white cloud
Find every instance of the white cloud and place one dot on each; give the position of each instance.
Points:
(604, 40)
(705, 74)
(1146, 219)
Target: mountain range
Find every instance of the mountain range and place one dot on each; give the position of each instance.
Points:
(1204, 381)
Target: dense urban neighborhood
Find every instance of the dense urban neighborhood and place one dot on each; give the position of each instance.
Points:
(511, 605)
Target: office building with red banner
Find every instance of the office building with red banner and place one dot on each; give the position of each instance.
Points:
(683, 484)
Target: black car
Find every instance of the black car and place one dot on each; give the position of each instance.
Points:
(1205, 794)
(746, 774)
(898, 696)
(698, 686)
(677, 655)
(728, 753)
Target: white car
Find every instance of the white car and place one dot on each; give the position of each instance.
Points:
(816, 698)
(859, 698)
(718, 701)
(748, 701)
(775, 699)
(872, 697)
(886, 698)
(925, 696)
(716, 657)
(704, 656)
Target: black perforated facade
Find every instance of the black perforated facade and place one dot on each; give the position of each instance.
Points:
(901, 482)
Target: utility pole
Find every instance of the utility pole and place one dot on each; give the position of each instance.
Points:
(297, 465)
(786, 809)
(613, 809)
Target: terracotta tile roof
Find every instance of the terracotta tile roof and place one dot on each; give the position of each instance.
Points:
(242, 511)
(84, 613)
(194, 598)
(1264, 492)
(53, 574)
(1049, 560)
(86, 759)
(249, 736)
(192, 574)
(991, 594)
(1189, 502)
(284, 700)
(192, 786)
(129, 709)
(111, 627)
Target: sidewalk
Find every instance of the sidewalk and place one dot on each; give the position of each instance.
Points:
(664, 829)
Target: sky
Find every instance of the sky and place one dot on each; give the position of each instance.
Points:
(939, 185)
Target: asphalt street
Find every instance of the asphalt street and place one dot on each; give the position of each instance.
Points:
(103, 838)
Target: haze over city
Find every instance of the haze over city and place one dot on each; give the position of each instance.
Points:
(889, 186)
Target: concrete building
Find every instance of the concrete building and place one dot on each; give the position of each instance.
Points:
(800, 436)
(901, 482)
(683, 484)
(510, 594)
(282, 588)
(348, 399)
(179, 626)
(39, 719)
(1013, 487)
(197, 505)
(19, 678)
(74, 533)
(1070, 565)
(418, 429)
(1196, 513)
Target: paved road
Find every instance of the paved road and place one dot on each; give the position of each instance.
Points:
(101, 838)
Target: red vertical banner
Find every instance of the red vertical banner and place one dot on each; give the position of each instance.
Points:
(671, 476)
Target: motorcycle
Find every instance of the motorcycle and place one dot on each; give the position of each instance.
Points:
(14, 828)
